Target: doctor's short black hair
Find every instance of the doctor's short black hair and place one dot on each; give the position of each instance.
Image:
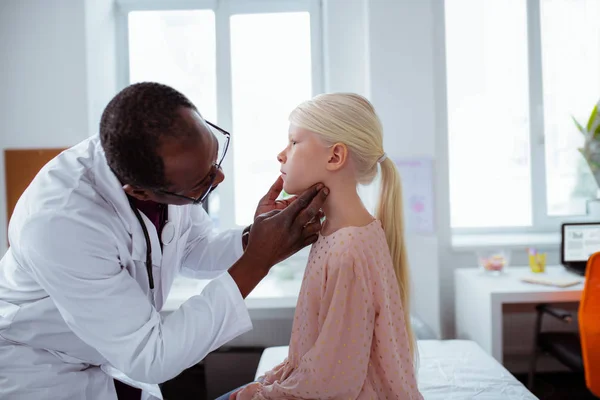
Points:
(132, 126)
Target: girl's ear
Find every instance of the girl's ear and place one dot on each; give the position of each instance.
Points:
(338, 157)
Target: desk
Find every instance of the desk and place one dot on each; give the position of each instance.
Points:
(479, 299)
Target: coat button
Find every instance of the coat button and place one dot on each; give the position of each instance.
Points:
(168, 233)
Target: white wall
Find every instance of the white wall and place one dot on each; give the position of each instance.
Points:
(43, 97)
(101, 58)
(402, 91)
(345, 46)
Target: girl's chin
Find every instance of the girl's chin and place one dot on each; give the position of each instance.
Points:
(292, 191)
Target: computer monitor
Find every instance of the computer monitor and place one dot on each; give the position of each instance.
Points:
(578, 242)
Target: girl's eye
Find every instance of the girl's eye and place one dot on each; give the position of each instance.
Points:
(293, 142)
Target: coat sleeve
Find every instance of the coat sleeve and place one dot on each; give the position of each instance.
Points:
(208, 253)
(77, 264)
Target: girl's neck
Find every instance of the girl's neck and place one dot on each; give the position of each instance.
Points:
(344, 208)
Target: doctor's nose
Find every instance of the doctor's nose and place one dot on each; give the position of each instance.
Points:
(220, 177)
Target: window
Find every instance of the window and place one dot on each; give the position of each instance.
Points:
(244, 64)
(571, 78)
(488, 113)
(517, 72)
(161, 50)
(271, 74)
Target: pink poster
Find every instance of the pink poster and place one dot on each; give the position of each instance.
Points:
(417, 189)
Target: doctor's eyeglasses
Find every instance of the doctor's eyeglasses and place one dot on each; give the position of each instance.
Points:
(223, 137)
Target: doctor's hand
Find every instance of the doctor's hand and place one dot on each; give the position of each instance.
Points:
(277, 234)
(269, 202)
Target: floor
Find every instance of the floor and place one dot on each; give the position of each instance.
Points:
(559, 386)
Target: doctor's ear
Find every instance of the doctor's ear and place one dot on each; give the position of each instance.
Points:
(140, 194)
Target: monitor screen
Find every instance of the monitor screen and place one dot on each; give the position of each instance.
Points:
(580, 241)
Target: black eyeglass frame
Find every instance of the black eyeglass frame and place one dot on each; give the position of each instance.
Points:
(212, 175)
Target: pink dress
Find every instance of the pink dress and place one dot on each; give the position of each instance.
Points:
(348, 340)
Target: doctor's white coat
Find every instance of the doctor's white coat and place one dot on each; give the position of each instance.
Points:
(75, 302)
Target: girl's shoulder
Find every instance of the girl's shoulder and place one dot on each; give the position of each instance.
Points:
(354, 237)
(353, 245)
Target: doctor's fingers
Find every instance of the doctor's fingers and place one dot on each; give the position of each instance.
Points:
(312, 228)
(274, 191)
(312, 212)
(306, 201)
(267, 215)
(310, 233)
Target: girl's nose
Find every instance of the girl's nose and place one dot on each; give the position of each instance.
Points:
(281, 157)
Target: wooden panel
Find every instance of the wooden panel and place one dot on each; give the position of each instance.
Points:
(20, 167)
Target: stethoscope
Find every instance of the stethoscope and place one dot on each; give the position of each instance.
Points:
(148, 243)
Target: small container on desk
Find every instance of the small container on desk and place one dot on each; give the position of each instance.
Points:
(537, 261)
(493, 262)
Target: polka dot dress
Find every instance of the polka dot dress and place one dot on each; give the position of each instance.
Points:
(348, 340)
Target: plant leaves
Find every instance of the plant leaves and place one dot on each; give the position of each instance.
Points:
(578, 125)
(592, 119)
(597, 131)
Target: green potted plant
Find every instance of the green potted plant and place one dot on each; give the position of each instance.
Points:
(591, 152)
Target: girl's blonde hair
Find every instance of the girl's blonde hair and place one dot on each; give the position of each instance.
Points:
(350, 119)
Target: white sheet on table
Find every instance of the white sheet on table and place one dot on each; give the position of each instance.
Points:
(449, 370)
(460, 369)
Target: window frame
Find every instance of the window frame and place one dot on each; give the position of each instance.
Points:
(223, 10)
(541, 222)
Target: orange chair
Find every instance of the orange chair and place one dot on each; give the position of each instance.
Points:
(589, 324)
(578, 351)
